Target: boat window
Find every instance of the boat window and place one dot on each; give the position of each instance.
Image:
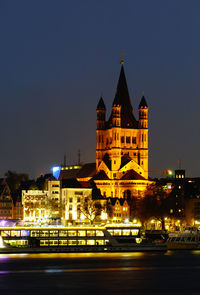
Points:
(81, 242)
(25, 233)
(5, 233)
(99, 233)
(53, 242)
(134, 232)
(90, 242)
(72, 233)
(117, 232)
(62, 242)
(53, 233)
(44, 242)
(44, 233)
(15, 233)
(126, 232)
(35, 233)
(99, 242)
(72, 242)
(81, 233)
(62, 233)
(90, 233)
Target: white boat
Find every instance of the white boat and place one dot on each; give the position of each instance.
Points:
(116, 238)
(189, 239)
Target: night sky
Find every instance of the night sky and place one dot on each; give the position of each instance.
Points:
(58, 57)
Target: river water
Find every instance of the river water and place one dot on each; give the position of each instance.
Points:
(95, 273)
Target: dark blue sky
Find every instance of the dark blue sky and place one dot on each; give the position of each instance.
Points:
(57, 57)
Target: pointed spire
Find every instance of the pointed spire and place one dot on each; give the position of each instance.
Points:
(101, 105)
(122, 98)
(122, 94)
(143, 103)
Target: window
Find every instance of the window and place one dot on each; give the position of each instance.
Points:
(79, 193)
(78, 200)
(70, 200)
(133, 139)
(128, 139)
(122, 139)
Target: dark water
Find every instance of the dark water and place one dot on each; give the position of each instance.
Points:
(123, 273)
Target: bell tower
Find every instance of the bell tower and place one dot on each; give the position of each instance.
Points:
(143, 135)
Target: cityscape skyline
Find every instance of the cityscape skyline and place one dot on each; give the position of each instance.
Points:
(55, 69)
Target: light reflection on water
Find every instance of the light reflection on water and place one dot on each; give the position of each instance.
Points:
(71, 255)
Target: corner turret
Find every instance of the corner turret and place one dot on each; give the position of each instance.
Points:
(101, 114)
(143, 114)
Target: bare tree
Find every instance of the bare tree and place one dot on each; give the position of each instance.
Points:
(154, 204)
(91, 209)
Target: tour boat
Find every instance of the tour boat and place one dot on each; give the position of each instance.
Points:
(107, 238)
(189, 239)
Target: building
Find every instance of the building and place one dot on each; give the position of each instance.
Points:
(122, 145)
(120, 210)
(74, 197)
(6, 201)
(36, 209)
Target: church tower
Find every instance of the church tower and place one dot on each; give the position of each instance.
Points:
(121, 145)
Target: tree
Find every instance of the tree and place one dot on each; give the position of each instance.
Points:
(14, 179)
(154, 204)
(91, 209)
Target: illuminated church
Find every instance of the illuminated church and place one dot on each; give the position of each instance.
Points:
(122, 145)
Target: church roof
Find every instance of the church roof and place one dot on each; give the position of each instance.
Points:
(70, 183)
(101, 175)
(132, 175)
(107, 160)
(125, 159)
(122, 98)
(88, 170)
(101, 105)
(143, 103)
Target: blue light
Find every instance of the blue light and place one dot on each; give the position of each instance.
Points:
(56, 171)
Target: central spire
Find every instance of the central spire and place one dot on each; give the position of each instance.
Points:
(122, 99)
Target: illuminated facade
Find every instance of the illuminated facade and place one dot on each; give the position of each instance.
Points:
(73, 200)
(55, 201)
(6, 202)
(120, 210)
(122, 146)
(35, 206)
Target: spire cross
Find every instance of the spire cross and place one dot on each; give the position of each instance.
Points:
(122, 59)
(143, 93)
